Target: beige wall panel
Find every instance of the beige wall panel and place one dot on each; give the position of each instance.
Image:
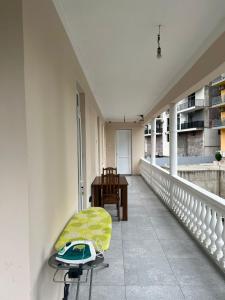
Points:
(52, 72)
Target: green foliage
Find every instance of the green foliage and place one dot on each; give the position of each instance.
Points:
(218, 156)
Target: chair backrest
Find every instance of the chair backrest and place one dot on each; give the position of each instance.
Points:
(109, 170)
(110, 184)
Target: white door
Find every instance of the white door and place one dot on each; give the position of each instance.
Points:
(79, 156)
(123, 151)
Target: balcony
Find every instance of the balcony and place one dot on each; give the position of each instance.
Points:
(191, 105)
(147, 131)
(158, 131)
(218, 123)
(152, 256)
(191, 126)
(220, 79)
(218, 101)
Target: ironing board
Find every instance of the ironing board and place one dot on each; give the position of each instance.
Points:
(93, 224)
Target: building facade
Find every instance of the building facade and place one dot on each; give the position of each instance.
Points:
(217, 97)
(195, 135)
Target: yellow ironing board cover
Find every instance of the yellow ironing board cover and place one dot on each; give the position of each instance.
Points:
(93, 224)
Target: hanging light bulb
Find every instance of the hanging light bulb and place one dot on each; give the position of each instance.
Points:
(159, 51)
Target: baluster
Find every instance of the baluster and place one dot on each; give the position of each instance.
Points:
(165, 191)
(168, 192)
(195, 216)
(199, 221)
(188, 211)
(208, 230)
(192, 204)
(223, 248)
(182, 199)
(219, 242)
(174, 195)
(203, 226)
(185, 208)
(212, 246)
(179, 198)
(182, 204)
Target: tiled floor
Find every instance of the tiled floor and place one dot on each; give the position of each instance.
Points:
(151, 257)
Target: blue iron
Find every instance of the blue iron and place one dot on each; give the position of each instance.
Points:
(77, 252)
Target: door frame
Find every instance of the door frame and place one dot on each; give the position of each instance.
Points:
(131, 149)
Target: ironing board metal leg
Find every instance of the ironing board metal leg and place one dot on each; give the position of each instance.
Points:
(90, 287)
(78, 287)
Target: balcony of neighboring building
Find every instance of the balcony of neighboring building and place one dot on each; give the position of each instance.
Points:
(190, 126)
(191, 105)
(218, 124)
(159, 129)
(218, 101)
(219, 80)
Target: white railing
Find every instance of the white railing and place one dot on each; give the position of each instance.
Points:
(200, 211)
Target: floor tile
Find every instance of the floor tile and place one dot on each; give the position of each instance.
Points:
(115, 250)
(134, 232)
(165, 221)
(102, 293)
(116, 231)
(181, 248)
(155, 271)
(114, 275)
(144, 221)
(204, 293)
(142, 248)
(196, 272)
(174, 232)
(153, 293)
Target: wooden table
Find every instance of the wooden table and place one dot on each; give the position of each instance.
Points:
(96, 193)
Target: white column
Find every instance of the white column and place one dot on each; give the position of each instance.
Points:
(173, 139)
(153, 141)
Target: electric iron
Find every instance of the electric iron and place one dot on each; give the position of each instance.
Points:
(77, 252)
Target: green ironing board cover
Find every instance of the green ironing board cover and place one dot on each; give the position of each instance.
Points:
(93, 224)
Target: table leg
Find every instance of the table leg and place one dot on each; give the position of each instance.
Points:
(124, 202)
(95, 193)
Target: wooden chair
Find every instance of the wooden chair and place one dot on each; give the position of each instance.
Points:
(110, 191)
(109, 170)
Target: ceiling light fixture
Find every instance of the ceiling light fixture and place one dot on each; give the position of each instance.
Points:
(159, 51)
(140, 118)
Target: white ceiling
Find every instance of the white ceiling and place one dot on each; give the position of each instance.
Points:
(115, 42)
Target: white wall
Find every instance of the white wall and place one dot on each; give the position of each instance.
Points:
(200, 94)
(14, 223)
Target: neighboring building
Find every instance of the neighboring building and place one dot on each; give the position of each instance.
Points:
(195, 137)
(217, 97)
(162, 137)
